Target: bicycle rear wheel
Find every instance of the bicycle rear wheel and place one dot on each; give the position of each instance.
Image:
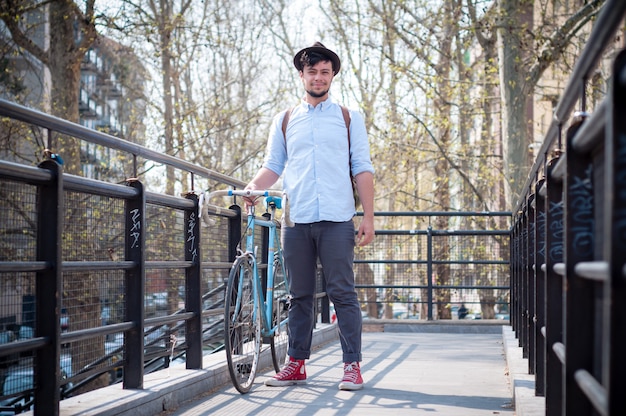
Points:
(242, 326)
(280, 341)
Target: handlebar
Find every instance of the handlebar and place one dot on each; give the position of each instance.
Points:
(270, 195)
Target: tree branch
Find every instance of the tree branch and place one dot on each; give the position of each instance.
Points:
(555, 45)
(11, 13)
(455, 166)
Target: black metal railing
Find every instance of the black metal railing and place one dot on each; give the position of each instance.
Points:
(568, 247)
(431, 273)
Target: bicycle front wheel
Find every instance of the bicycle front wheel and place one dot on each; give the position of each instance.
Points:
(280, 341)
(242, 326)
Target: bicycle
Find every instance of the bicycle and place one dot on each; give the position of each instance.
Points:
(255, 306)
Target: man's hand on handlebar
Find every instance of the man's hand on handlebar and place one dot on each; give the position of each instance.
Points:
(250, 200)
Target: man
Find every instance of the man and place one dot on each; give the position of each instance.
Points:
(318, 153)
(462, 312)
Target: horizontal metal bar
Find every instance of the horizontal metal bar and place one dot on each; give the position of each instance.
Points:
(471, 232)
(169, 201)
(440, 214)
(595, 392)
(115, 328)
(164, 320)
(434, 287)
(559, 350)
(95, 187)
(217, 265)
(366, 261)
(173, 264)
(483, 287)
(88, 333)
(223, 212)
(38, 118)
(443, 232)
(23, 173)
(559, 268)
(477, 262)
(74, 266)
(594, 270)
(23, 345)
(23, 266)
(213, 312)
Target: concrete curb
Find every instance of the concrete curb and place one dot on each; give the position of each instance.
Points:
(167, 389)
(522, 383)
(486, 326)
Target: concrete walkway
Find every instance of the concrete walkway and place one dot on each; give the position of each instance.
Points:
(452, 374)
(428, 368)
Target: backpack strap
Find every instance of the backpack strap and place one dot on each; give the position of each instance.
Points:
(346, 119)
(285, 122)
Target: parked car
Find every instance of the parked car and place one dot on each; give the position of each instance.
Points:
(20, 379)
(474, 315)
(160, 300)
(149, 305)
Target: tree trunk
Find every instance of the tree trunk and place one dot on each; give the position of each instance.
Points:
(517, 114)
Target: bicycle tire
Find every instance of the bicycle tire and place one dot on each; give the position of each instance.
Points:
(242, 326)
(279, 343)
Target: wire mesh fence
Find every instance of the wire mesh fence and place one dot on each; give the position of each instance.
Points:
(434, 274)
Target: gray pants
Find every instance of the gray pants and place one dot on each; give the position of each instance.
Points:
(333, 243)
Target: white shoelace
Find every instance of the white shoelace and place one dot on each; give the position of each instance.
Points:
(289, 370)
(351, 372)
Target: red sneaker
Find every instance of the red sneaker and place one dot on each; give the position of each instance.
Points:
(293, 373)
(352, 379)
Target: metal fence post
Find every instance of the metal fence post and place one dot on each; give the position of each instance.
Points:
(614, 362)
(48, 289)
(234, 232)
(539, 306)
(513, 264)
(135, 285)
(579, 296)
(523, 279)
(429, 271)
(529, 273)
(193, 294)
(553, 288)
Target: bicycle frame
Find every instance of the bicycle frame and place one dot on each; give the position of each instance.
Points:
(251, 250)
(267, 328)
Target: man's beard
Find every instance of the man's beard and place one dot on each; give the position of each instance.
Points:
(317, 94)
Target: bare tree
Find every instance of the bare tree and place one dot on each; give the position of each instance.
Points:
(74, 32)
(525, 53)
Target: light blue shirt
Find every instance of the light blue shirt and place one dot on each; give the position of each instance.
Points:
(315, 160)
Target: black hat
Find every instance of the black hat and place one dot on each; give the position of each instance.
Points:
(319, 48)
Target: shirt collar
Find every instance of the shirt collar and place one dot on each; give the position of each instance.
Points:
(324, 105)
